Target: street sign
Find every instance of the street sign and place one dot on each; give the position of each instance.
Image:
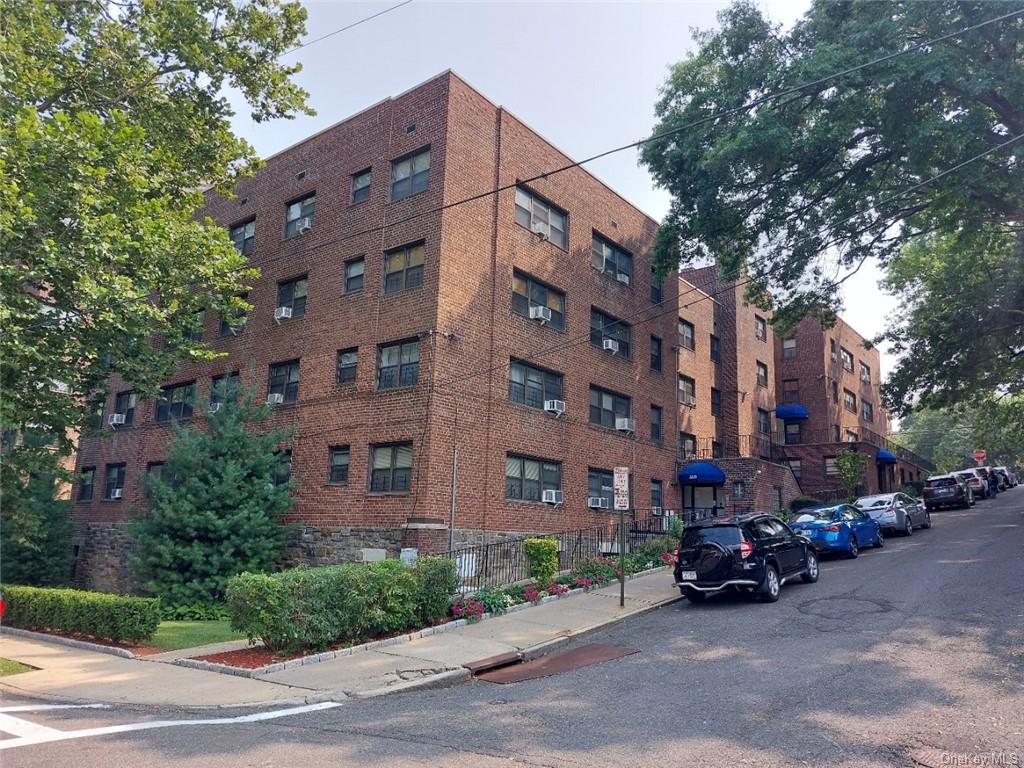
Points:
(979, 455)
(620, 485)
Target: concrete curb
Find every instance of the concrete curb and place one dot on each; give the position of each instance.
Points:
(84, 645)
(440, 680)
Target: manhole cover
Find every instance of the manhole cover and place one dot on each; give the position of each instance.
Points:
(843, 607)
(557, 663)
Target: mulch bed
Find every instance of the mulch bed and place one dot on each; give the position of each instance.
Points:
(138, 650)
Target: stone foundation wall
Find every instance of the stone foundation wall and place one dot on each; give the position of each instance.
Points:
(329, 546)
(101, 563)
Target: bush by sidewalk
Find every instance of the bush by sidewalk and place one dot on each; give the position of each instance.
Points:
(106, 617)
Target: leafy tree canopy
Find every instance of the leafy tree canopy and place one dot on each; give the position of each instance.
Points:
(113, 119)
(798, 193)
(35, 538)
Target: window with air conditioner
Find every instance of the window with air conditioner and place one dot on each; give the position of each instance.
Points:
(687, 390)
(600, 485)
(243, 236)
(291, 294)
(606, 407)
(527, 479)
(542, 218)
(611, 259)
(532, 386)
(687, 445)
(284, 381)
(657, 495)
(124, 404)
(113, 487)
(530, 299)
(224, 388)
(604, 326)
(299, 215)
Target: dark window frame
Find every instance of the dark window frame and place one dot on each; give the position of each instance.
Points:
(760, 328)
(657, 424)
(686, 334)
(610, 253)
(86, 489)
(764, 421)
(307, 209)
(130, 402)
(551, 384)
(361, 193)
(286, 290)
(601, 483)
(345, 372)
(656, 360)
(691, 385)
(791, 390)
(527, 218)
(716, 402)
(762, 374)
(409, 275)
(850, 400)
(521, 303)
(714, 348)
(391, 481)
(337, 471)
(243, 240)
(280, 379)
(233, 382)
(350, 279)
(621, 407)
(549, 477)
(789, 352)
(114, 478)
(176, 402)
(406, 371)
(415, 178)
(610, 327)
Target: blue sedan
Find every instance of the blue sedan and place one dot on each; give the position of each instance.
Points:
(842, 528)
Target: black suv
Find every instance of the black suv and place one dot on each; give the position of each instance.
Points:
(750, 553)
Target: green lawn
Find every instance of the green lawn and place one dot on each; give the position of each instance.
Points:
(10, 667)
(172, 635)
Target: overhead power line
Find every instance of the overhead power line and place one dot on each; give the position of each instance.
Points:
(347, 26)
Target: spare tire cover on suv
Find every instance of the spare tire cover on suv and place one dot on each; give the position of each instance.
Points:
(711, 550)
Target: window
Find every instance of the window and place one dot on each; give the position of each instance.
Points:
(656, 424)
(282, 469)
(715, 349)
(398, 364)
(686, 336)
(716, 449)
(348, 361)
(867, 411)
(233, 329)
(830, 467)
(777, 497)
(224, 388)
(764, 421)
(865, 373)
(849, 401)
(794, 466)
(284, 380)
(835, 433)
(656, 287)
(832, 348)
(687, 445)
(195, 330)
(337, 473)
(791, 390)
(606, 407)
(847, 359)
(243, 236)
(113, 486)
(527, 479)
(299, 214)
(762, 374)
(851, 436)
(716, 402)
(835, 390)
(739, 489)
(391, 468)
(655, 353)
(609, 258)
(789, 348)
(657, 494)
(794, 433)
(760, 328)
(154, 471)
(542, 218)
(403, 268)
(687, 390)
(528, 292)
(124, 404)
(410, 174)
(176, 401)
(354, 272)
(86, 480)
(532, 386)
(604, 326)
(600, 484)
(292, 294)
(361, 186)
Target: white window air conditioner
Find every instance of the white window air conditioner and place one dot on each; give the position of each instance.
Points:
(282, 313)
(610, 345)
(625, 425)
(656, 511)
(304, 225)
(597, 502)
(540, 314)
(557, 407)
(552, 497)
(116, 419)
(540, 230)
(622, 278)
(275, 398)
(214, 407)
(115, 493)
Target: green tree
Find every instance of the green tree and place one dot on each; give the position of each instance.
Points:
(850, 466)
(113, 118)
(216, 507)
(35, 537)
(798, 193)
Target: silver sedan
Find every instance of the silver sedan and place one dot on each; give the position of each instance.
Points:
(895, 512)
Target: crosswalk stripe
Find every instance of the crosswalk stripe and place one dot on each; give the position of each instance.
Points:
(23, 728)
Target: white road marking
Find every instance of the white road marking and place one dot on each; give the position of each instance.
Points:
(42, 707)
(44, 735)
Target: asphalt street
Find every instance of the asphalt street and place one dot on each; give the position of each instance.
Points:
(914, 651)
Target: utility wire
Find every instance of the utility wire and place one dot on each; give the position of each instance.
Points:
(342, 29)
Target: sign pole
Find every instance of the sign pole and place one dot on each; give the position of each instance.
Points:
(620, 486)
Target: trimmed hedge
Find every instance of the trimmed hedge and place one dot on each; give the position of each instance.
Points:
(436, 582)
(118, 618)
(541, 560)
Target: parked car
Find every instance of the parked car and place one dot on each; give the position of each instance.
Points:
(1011, 478)
(946, 491)
(842, 528)
(1004, 477)
(748, 553)
(977, 480)
(896, 512)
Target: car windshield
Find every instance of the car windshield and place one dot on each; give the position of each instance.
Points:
(873, 502)
(940, 482)
(814, 515)
(726, 535)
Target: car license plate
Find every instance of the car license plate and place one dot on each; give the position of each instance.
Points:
(689, 575)
(808, 534)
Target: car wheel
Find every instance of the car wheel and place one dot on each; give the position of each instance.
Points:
(927, 521)
(854, 550)
(694, 595)
(769, 589)
(811, 574)
(881, 539)
(908, 526)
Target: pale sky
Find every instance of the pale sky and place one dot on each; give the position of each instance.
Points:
(584, 75)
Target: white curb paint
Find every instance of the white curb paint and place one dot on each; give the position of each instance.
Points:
(29, 734)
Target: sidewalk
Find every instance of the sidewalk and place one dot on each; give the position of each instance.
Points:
(69, 673)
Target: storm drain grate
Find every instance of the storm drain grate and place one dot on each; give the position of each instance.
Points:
(557, 663)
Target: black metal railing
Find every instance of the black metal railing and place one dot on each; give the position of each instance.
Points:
(850, 435)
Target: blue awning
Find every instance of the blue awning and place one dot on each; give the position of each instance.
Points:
(884, 457)
(793, 412)
(701, 473)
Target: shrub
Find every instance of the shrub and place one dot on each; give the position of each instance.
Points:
(803, 502)
(468, 608)
(556, 589)
(598, 569)
(495, 601)
(541, 559)
(35, 537)
(194, 612)
(436, 582)
(515, 593)
(97, 614)
(312, 608)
